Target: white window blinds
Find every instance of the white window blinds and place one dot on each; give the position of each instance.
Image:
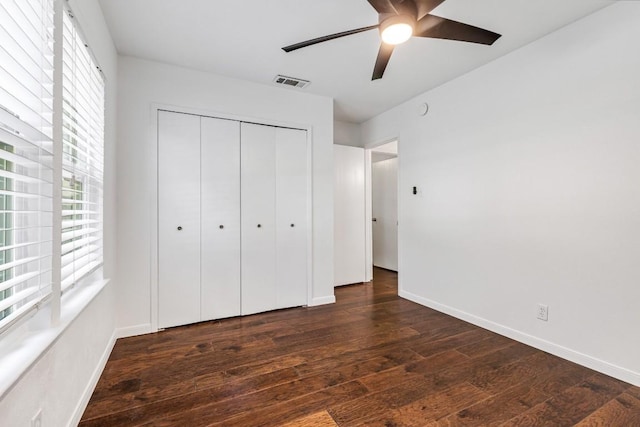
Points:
(82, 159)
(26, 103)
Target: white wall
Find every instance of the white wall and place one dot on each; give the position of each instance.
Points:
(349, 215)
(345, 133)
(527, 175)
(62, 380)
(143, 84)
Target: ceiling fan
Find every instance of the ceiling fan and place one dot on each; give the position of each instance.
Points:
(399, 20)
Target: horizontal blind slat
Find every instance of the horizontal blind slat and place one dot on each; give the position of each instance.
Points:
(77, 233)
(7, 284)
(18, 297)
(25, 308)
(22, 261)
(39, 150)
(81, 272)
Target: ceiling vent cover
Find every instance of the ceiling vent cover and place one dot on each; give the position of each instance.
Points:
(291, 81)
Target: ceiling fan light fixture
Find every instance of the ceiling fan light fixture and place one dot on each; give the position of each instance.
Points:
(397, 29)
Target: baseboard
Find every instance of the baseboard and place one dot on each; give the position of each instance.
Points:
(132, 331)
(93, 381)
(607, 368)
(329, 299)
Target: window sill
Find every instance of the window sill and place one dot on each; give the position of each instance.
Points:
(23, 346)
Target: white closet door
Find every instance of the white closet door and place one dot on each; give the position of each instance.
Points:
(220, 211)
(291, 217)
(178, 219)
(258, 218)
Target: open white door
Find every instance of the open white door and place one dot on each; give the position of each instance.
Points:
(349, 215)
(384, 208)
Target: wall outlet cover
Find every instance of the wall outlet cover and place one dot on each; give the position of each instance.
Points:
(543, 312)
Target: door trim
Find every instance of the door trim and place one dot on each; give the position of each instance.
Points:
(369, 148)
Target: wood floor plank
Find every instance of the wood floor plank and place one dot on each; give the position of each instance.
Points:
(485, 346)
(497, 409)
(431, 347)
(624, 410)
(635, 392)
(573, 404)
(375, 404)
(319, 419)
(371, 358)
(433, 407)
(271, 415)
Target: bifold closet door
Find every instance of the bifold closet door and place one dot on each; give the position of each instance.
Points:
(274, 218)
(232, 200)
(291, 217)
(258, 204)
(220, 218)
(178, 219)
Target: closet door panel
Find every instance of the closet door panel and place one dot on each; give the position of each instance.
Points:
(178, 219)
(258, 218)
(220, 213)
(291, 217)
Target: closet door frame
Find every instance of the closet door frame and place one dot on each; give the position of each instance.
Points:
(154, 206)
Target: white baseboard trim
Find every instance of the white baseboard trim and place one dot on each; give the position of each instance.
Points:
(607, 368)
(132, 331)
(329, 299)
(93, 381)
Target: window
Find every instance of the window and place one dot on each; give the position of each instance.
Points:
(6, 229)
(26, 110)
(82, 159)
(28, 162)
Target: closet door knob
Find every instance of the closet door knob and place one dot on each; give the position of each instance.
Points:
(179, 228)
(293, 225)
(259, 225)
(221, 227)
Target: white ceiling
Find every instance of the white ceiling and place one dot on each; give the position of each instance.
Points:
(243, 39)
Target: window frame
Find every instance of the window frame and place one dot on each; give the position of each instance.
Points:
(88, 82)
(59, 10)
(27, 138)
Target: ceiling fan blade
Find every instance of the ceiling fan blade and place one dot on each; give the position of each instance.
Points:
(426, 6)
(327, 38)
(442, 28)
(383, 6)
(384, 54)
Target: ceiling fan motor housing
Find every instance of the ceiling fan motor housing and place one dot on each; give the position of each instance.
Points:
(397, 19)
(397, 29)
(399, 12)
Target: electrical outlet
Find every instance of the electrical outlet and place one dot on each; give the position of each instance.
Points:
(543, 312)
(36, 421)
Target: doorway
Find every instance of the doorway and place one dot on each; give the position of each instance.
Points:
(383, 179)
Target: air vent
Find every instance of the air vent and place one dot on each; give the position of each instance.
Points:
(291, 81)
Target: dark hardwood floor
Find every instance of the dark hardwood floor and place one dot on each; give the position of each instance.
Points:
(371, 359)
